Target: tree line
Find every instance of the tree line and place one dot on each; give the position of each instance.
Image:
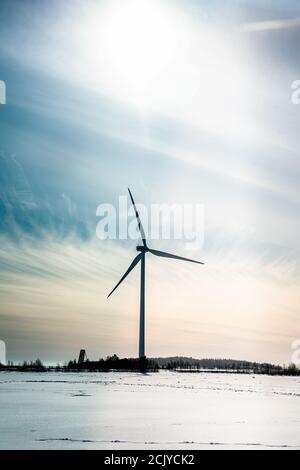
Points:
(179, 364)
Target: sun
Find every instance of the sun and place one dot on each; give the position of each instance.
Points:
(151, 56)
(140, 42)
(132, 43)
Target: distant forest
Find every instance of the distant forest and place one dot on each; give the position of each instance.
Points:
(179, 364)
(224, 365)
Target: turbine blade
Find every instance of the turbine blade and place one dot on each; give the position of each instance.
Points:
(141, 229)
(133, 264)
(169, 255)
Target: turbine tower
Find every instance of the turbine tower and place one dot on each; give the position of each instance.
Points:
(141, 257)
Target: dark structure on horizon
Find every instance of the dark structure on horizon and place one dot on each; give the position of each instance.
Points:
(82, 356)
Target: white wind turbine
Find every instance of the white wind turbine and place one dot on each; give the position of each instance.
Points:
(141, 258)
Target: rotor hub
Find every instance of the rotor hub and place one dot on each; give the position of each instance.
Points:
(142, 249)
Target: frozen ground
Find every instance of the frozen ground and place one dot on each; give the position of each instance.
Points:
(165, 411)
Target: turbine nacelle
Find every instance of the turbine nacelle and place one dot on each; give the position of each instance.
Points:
(142, 249)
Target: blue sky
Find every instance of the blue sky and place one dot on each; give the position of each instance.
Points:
(199, 112)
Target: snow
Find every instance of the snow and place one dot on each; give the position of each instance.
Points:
(165, 410)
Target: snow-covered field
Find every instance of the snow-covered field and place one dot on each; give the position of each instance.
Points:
(166, 410)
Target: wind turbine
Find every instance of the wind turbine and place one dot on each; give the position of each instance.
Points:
(143, 249)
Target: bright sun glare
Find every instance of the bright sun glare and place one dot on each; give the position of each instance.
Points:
(140, 41)
(147, 53)
(130, 45)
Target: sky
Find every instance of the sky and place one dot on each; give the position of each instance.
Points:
(185, 102)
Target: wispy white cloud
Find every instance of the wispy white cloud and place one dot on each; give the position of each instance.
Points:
(56, 290)
(271, 25)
